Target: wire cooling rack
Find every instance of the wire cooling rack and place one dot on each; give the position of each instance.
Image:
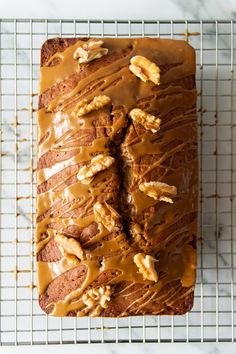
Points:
(213, 317)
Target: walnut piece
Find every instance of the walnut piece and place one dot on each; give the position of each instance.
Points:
(146, 266)
(147, 120)
(97, 164)
(145, 69)
(70, 245)
(96, 299)
(159, 191)
(85, 106)
(136, 231)
(96, 296)
(107, 216)
(90, 51)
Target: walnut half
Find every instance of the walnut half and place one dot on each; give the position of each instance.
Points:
(85, 106)
(97, 164)
(95, 300)
(99, 296)
(159, 191)
(145, 69)
(107, 216)
(147, 120)
(70, 245)
(146, 266)
(90, 51)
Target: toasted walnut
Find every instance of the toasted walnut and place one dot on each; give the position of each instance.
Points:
(70, 245)
(90, 51)
(85, 106)
(146, 266)
(136, 231)
(95, 300)
(145, 69)
(97, 164)
(107, 216)
(138, 235)
(96, 296)
(149, 121)
(159, 191)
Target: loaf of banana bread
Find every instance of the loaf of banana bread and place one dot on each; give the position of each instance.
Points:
(117, 177)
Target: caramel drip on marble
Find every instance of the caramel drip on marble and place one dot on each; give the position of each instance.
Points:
(58, 126)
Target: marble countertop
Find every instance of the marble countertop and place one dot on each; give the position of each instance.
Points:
(177, 348)
(105, 9)
(137, 9)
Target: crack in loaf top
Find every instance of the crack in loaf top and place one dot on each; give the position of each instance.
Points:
(117, 177)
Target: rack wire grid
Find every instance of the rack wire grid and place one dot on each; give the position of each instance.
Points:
(213, 316)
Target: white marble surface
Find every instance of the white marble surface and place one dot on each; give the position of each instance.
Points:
(119, 9)
(105, 9)
(206, 348)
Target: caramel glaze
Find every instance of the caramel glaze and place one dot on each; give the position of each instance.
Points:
(65, 205)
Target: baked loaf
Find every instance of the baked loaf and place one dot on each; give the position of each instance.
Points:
(117, 177)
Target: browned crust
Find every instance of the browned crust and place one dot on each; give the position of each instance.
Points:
(49, 253)
(119, 304)
(70, 83)
(54, 45)
(62, 286)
